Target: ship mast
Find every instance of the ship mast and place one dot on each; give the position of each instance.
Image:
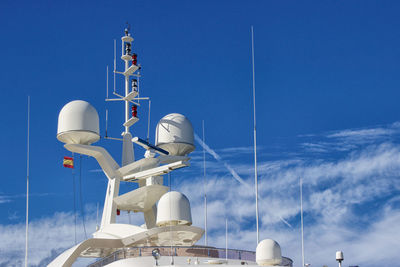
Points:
(129, 97)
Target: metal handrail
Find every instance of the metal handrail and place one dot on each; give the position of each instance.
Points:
(209, 252)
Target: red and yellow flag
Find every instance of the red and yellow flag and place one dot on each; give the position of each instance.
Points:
(68, 162)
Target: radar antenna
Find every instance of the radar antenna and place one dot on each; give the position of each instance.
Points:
(128, 28)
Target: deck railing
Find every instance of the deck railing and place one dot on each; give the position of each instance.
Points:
(209, 252)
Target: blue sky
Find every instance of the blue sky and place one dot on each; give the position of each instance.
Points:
(327, 111)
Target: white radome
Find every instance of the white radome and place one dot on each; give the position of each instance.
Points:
(78, 123)
(339, 255)
(174, 133)
(268, 252)
(173, 209)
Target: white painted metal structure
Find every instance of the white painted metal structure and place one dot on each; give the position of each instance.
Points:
(174, 133)
(339, 257)
(78, 123)
(268, 253)
(167, 224)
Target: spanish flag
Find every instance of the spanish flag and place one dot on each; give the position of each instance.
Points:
(68, 162)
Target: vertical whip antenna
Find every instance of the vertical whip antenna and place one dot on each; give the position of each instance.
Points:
(302, 226)
(255, 132)
(27, 186)
(106, 122)
(107, 81)
(226, 240)
(205, 189)
(115, 60)
(97, 217)
(148, 123)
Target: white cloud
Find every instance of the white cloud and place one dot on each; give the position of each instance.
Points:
(337, 200)
(10, 198)
(48, 237)
(351, 203)
(366, 133)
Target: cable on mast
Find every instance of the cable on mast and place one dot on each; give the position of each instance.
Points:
(255, 132)
(74, 190)
(80, 195)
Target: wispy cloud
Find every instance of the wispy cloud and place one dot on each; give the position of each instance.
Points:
(339, 192)
(10, 198)
(362, 133)
(48, 237)
(351, 203)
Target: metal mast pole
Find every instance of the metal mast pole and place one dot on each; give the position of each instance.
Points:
(301, 216)
(126, 93)
(27, 186)
(255, 132)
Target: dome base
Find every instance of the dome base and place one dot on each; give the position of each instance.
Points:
(78, 137)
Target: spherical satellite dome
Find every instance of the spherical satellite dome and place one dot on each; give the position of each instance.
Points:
(173, 209)
(78, 123)
(174, 133)
(268, 252)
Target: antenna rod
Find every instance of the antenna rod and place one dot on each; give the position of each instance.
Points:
(301, 216)
(107, 81)
(115, 61)
(205, 189)
(27, 186)
(97, 217)
(255, 132)
(226, 240)
(148, 124)
(106, 122)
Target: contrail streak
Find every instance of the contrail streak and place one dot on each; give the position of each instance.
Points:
(219, 159)
(285, 222)
(230, 169)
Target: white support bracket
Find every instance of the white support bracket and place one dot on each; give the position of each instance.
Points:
(131, 70)
(105, 160)
(131, 96)
(135, 177)
(131, 121)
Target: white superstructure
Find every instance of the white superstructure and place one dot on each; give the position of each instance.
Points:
(168, 236)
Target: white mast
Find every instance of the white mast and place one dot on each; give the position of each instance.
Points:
(127, 156)
(126, 94)
(301, 216)
(255, 133)
(27, 186)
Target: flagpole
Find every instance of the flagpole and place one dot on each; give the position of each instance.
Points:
(27, 187)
